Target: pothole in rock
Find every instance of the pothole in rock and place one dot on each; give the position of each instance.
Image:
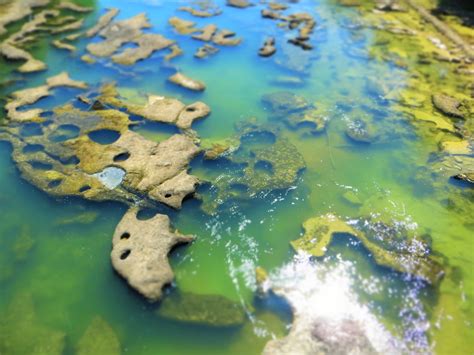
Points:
(64, 133)
(110, 177)
(104, 136)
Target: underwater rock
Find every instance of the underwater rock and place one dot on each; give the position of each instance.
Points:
(32, 95)
(284, 102)
(226, 38)
(23, 243)
(447, 105)
(103, 22)
(295, 59)
(88, 59)
(22, 333)
(206, 51)
(63, 45)
(140, 252)
(467, 177)
(206, 33)
(208, 310)
(360, 131)
(82, 218)
(99, 338)
(181, 26)
(241, 4)
(187, 82)
(351, 197)
(67, 5)
(175, 52)
(319, 232)
(268, 48)
(287, 80)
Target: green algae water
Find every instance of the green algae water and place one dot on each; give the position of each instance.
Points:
(55, 271)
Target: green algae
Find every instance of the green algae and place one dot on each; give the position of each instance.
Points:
(99, 338)
(21, 332)
(319, 232)
(209, 310)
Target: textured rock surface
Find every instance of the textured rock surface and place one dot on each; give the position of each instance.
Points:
(206, 51)
(447, 105)
(99, 338)
(187, 82)
(210, 310)
(412, 256)
(18, 10)
(268, 48)
(140, 252)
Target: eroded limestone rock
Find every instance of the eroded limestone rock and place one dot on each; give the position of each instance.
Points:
(181, 26)
(447, 105)
(411, 257)
(241, 4)
(268, 48)
(206, 51)
(209, 310)
(206, 33)
(187, 82)
(68, 5)
(201, 12)
(226, 38)
(103, 22)
(18, 10)
(140, 252)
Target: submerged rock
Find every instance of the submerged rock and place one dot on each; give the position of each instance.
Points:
(411, 258)
(187, 82)
(21, 332)
(140, 252)
(99, 338)
(67, 5)
(209, 310)
(360, 131)
(284, 102)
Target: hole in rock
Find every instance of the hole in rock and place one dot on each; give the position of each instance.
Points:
(264, 166)
(125, 254)
(31, 129)
(84, 188)
(55, 183)
(38, 165)
(125, 235)
(168, 195)
(64, 133)
(104, 136)
(191, 109)
(33, 148)
(121, 157)
(73, 160)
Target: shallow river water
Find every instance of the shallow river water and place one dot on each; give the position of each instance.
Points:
(65, 268)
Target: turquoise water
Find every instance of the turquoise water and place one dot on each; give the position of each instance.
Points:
(67, 270)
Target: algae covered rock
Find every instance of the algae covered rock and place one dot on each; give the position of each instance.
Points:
(21, 332)
(361, 131)
(99, 338)
(140, 252)
(209, 310)
(447, 105)
(412, 256)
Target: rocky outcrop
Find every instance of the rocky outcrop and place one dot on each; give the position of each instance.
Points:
(241, 4)
(206, 51)
(226, 38)
(181, 26)
(103, 22)
(116, 34)
(203, 12)
(268, 49)
(187, 82)
(206, 33)
(32, 95)
(140, 252)
(67, 5)
(412, 256)
(447, 105)
(17, 10)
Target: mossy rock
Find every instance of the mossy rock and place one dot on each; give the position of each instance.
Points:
(209, 310)
(319, 232)
(99, 338)
(21, 332)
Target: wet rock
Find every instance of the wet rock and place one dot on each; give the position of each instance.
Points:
(208, 310)
(447, 105)
(467, 177)
(32, 95)
(103, 22)
(176, 51)
(241, 4)
(207, 32)
(301, 43)
(63, 45)
(408, 258)
(226, 38)
(191, 113)
(117, 34)
(206, 51)
(21, 332)
(272, 15)
(67, 5)
(181, 26)
(268, 48)
(276, 6)
(68, 27)
(88, 59)
(201, 13)
(140, 252)
(17, 10)
(187, 82)
(99, 338)
(360, 131)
